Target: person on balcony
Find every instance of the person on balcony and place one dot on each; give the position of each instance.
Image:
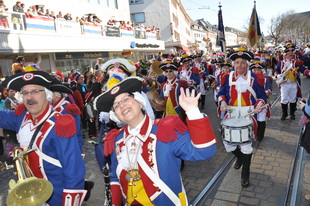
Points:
(16, 18)
(3, 15)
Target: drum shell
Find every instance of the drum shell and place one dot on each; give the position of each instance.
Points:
(241, 132)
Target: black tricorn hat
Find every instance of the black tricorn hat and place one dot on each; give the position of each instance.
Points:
(17, 81)
(57, 86)
(256, 65)
(104, 102)
(166, 66)
(186, 59)
(241, 54)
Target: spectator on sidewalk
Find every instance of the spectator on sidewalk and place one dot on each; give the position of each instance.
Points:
(90, 115)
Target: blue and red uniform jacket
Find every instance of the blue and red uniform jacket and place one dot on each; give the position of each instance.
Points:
(164, 145)
(56, 139)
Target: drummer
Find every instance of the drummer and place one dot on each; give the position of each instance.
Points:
(242, 93)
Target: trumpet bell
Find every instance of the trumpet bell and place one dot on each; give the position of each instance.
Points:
(31, 191)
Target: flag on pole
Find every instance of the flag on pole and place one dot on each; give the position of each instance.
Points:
(254, 29)
(220, 39)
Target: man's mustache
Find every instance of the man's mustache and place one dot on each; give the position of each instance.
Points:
(32, 101)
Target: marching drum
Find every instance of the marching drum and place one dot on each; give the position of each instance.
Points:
(236, 130)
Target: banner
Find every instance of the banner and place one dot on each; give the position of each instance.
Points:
(140, 34)
(220, 39)
(67, 27)
(40, 23)
(92, 29)
(254, 28)
(112, 31)
(151, 35)
(126, 33)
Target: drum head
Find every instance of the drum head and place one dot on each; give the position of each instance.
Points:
(236, 122)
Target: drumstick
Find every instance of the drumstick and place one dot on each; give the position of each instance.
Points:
(253, 111)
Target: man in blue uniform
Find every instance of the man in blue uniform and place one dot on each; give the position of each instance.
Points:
(56, 156)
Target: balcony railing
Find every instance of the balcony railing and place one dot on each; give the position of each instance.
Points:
(18, 21)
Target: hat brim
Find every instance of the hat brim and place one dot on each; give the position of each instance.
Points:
(241, 54)
(57, 86)
(186, 59)
(104, 102)
(259, 66)
(17, 81)
(61, 88)
(166, 66)
(226, 65)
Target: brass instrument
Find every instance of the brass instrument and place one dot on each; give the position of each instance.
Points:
(152, 75)
(155, 67)
(156, 101)
(28, 190)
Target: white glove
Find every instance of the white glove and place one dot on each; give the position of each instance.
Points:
(279, 76)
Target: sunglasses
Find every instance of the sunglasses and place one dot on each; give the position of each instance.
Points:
(168, 71)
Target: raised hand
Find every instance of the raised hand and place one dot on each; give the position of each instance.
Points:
(188, 100)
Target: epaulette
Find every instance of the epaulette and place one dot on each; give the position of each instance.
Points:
(299, 62)
(195, 70)
(73, 109)
(223, 78)
(109, 141)
(184, 83)
(168, 128)
(19, 109)
(260, 79)
(64, 125)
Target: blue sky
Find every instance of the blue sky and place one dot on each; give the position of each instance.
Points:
(236, 13)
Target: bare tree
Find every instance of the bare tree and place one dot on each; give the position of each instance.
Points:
(278, 26)
(290, 26)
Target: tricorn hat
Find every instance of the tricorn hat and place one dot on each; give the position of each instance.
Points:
(104, 102)
(17, 81)
(242, 53)
(57, 86)
(168, 65)
(119, 63)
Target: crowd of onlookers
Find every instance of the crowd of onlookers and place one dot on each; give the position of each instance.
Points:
(130, 25)
(40, 10)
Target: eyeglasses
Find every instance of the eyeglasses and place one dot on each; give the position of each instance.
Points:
(168, 71)
(33, 92)
(125, 99)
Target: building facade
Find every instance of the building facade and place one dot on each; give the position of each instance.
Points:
(59, 44)
(171, 19)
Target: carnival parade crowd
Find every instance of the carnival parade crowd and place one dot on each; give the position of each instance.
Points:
(148, 117)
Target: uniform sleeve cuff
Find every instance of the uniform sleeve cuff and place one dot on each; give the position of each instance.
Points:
(194, 114)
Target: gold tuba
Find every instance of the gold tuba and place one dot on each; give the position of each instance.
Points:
(28, 190)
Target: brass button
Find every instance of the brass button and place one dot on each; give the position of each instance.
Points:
(135, 196)
(134, 184)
